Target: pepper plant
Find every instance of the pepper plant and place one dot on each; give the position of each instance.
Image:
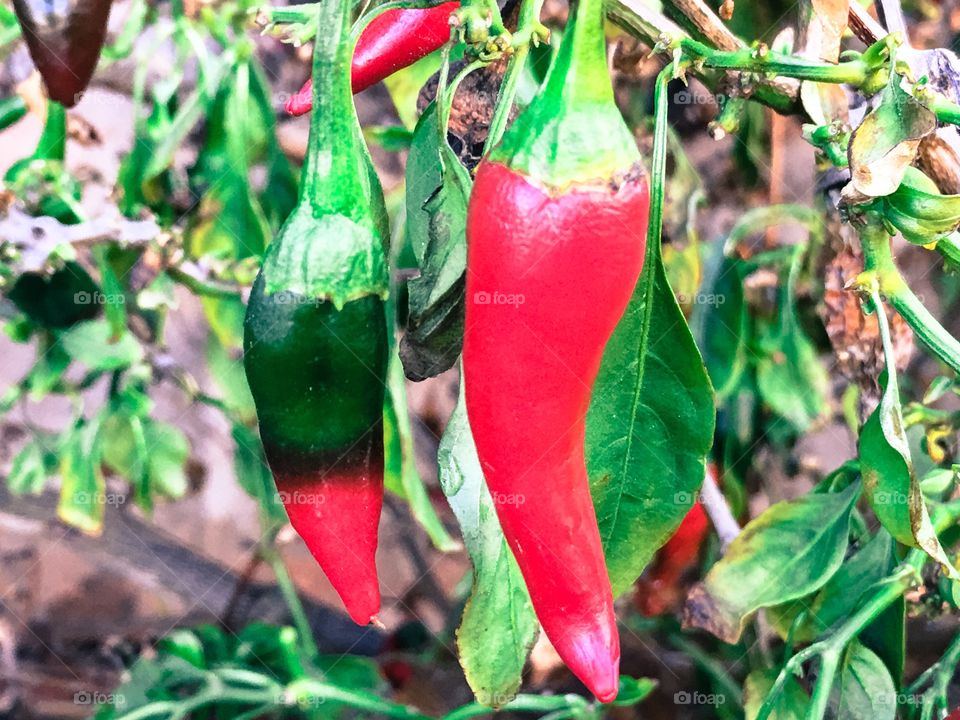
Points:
(622, 380)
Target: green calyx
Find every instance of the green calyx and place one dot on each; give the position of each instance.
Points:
(572, 131)
(329, 257)
(332, 247)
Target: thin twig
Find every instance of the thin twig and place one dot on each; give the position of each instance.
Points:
(708, 24)
(717, 509)
(867, 30)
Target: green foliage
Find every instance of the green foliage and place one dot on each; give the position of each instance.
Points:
(649, 426)
(866, 690)
(833, 584)
(498, 627)
(787, 552)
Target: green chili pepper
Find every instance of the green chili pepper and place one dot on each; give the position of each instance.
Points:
(315, 336)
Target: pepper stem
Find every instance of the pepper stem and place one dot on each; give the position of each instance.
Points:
(572, 131)
(53, 140)
(579, 74)
(333, 146)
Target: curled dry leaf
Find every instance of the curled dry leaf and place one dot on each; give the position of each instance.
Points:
(886, 143)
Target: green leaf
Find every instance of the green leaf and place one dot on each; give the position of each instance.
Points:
(839, 597)
(866, 690)
(280, 194)
(226, 370)
(188, 114)
(633, 690)
(124, 452)
(48, 370)
(253, 475)
(890, 484)
(28, 474)
(114, 298)
(920, 211)
(721, 327)
(790, 377)
(498, 627)
(791, 703)
(92, 344)
(649, 426)
(400, 465)
(391, 138)
(438, 192)
(789, 551)
(167, 452)
(58, 300)
(83, 495)
(136, 192)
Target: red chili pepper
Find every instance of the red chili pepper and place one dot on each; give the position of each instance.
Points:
(392, 41)
(556, 233)
(64, 40)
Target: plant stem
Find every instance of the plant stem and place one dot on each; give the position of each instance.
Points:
(949, 248)
(292, 599)
(640, 20)
(762, 218)
(526, 29)
(853, 72)
(829, 662)
(658, 170)
(718, 510)
(878, 258)
(308, 689)
(521, 703)
(330, 169)
(202, 286)
(711, 666)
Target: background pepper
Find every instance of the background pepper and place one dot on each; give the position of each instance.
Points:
(662, 588)
(64, 40)
(315, 338)
(392, 41)
(556, 236)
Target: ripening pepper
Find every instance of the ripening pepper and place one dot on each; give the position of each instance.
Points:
(315, 337)
(64, 39)
(661, 589)
(392, 41)
(556, 232)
